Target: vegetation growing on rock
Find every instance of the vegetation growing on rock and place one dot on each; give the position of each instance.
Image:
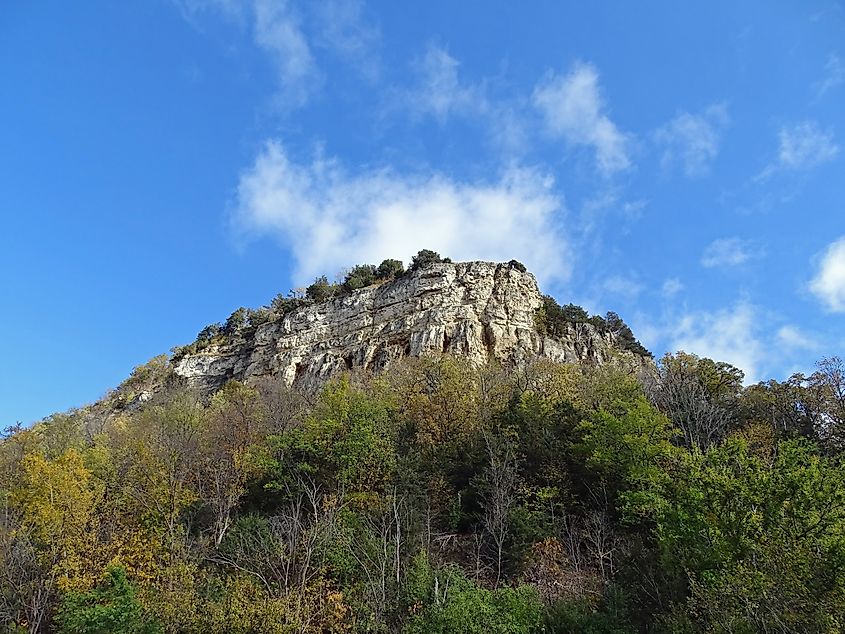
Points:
(555, 320)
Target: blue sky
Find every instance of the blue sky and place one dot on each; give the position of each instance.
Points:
(164, 162)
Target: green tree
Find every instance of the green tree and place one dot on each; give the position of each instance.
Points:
(761, 542)
(389, 269)
(320, 290)
(236, 321)
(109, 607)
(444, 601)
(348, 442)
(424, 258)
(360, 276)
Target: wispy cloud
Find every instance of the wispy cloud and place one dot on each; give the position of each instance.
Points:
(794, 338)
(801, 147)
(805, 145)
(343, 29)
(278, 32)
(440, 92)
(828, 284)
(278, 28)
(725, 335)
(727, 252)
(328, 217)
(623, 286)
(692, 139)
(834, 75)
(573, 109)
(671, 287)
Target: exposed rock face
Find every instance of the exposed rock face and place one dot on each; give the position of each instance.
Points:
(479, 310)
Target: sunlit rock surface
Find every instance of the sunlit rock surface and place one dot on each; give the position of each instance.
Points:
(479, 310)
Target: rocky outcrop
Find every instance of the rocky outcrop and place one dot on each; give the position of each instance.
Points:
(479, 310)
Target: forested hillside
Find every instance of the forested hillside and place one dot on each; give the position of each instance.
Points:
(436, 497)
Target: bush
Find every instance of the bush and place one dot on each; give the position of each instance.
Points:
(282, 305)
(360, 276)
(425, 258)
(443, 601)
(320, 290)
(389, 269)
(109, 607)
(554, 320)
(236, 321)
(210, 332)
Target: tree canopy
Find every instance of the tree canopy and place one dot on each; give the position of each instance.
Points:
(437, 496)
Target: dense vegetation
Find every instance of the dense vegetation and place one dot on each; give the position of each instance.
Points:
(560, 321)
(436, 497)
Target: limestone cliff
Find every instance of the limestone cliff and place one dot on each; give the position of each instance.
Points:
(479, 310)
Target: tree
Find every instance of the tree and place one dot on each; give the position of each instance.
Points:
(698, 396)
(425, 258)
(320, 290)
(499, 494)
(109, 607)
(791, 408)
(829, 380)
(234, 422)
(236, 321)
(27, 583)
(760, 542)
(160, 456)
(624, 336)
(389, 269)
(208, 333)
(443, 601)
(281, 305)
(360, 276)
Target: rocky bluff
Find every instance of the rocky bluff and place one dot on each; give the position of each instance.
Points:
(479, 310)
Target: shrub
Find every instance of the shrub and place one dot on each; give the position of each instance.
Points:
(445, 600)
(320, 290)
(425, 258)
(209, 332)
(389, 269)
(554, 319)
(111, 606)
(360, 276)
(282, 305)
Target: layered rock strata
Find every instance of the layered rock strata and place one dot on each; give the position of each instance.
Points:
(479, 310)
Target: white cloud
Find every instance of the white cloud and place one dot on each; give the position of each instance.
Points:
(726, 252)
(278, 32)
(692, 139)
(805, 145)
(331, 219)
(623, 286)
(573, 109)
(834, 75)
(343, 29)
(792, 337)
(440, 92)
(829, 282)
(278, 29)
(801, 147)
(672, 287)
(726, 335)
